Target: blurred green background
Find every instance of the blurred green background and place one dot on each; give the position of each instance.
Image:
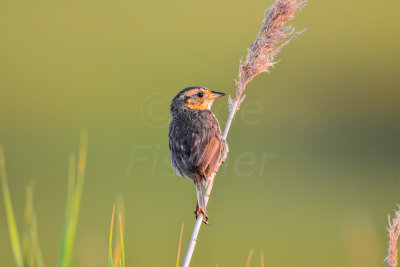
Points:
(313, 169)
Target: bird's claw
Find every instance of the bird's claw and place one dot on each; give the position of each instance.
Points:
(202, 211)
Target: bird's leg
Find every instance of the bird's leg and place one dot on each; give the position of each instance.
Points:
(200, 202)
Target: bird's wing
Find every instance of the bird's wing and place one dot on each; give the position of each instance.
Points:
(209, 156)
(180, 147)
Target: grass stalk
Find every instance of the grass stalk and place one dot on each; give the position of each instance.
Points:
(116, 257)
(31, 249)
(271, 38)
(121, 231)
(110, 250)
(262, 259)
(12, 226)
(249, 258)
(76, 178)
(179, 246)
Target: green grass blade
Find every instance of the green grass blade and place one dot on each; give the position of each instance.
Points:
(35, 240)
(32, 253)
(73, 204)
(28, 257)
(80, 178)
(121, 230)
(179, 247)
(116, 256)
(70, 192)
(110, 250)
(71, 185)
(12, 227)
(28, 253)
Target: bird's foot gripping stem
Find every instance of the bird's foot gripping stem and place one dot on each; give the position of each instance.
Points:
(202, 211)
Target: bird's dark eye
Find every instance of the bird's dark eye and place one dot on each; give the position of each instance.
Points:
(200, 94)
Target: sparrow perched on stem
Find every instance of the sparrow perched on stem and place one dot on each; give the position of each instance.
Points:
(195, 139)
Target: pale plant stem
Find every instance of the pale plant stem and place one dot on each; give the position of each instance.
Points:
(272, 36)
(231, 116)
(199, 221)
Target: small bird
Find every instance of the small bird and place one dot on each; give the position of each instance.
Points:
(195, 139)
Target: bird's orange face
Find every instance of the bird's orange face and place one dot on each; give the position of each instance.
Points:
(200, 98)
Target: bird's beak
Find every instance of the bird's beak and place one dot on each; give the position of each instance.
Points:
(215, 95)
